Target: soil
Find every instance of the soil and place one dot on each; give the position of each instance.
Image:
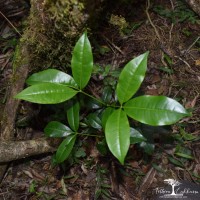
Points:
(173, 71)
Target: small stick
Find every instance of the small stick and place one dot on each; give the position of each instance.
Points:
(10, 23)
(113, 45)
(149, 18)
(192, 44)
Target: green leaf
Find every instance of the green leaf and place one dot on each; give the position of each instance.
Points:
(136, 137)
(147, 147)
(82, 61)
(155, 110)
(65, 148)
(57, 129)
(47, 93)
(158, 168)
(117, 134)
(51, 76)
(89, 103)
(107, 94)
(80, 153)
(106, 114)
(93, 120)
(175, 162)
(183, 152)
(73, 114)
(187, 136)
(183, 155)
(131, 77)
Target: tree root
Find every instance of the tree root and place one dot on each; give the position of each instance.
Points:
(14, 150)
(7, 128)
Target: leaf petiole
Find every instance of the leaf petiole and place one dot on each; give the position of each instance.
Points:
(92, 97)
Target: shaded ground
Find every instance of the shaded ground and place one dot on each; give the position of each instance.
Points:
(173, 70)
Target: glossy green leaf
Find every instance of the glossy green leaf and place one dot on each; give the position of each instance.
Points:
(57, 129)
(89, 103)
(136, 136)
(131, 77)
(107, 94)
(94, 121)
(106, 114)
(155, 110)
(47, 93)
(51, 76)
(117, 134)
(65, 148)
(82, 61)
(73, 114)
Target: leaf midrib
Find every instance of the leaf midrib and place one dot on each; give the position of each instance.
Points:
(151, 109)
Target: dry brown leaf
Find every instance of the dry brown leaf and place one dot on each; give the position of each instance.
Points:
(28, 173)
(192, 103)
(38, 176)
(197, 62)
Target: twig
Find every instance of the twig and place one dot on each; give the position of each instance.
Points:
(172, 4)
(183, 61)
(10, 23)
(192, 45)
(172, 25)
(170, 32)
(150, 21)
(113, 45)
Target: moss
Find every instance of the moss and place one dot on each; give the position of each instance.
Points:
(119, 22)
(52, 28)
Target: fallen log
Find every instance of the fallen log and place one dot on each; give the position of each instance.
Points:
(14, 150)
(194, 5)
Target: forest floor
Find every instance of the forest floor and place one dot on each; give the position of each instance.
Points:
(171, 34)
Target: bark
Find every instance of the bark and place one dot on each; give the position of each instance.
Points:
(14, 150)
(10, 110)
(195, 5)
(7, 128)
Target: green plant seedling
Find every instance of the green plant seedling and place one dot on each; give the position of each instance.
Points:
(180, 14)
(52, 86)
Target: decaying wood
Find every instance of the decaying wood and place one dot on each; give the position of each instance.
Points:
(15, 150)
(195, 5)
(17, 83)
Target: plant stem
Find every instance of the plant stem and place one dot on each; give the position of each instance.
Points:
(98, 100)
(90, 135)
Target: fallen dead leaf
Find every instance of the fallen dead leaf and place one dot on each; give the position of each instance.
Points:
(192, 103)
(197, 62)
(28, 173)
